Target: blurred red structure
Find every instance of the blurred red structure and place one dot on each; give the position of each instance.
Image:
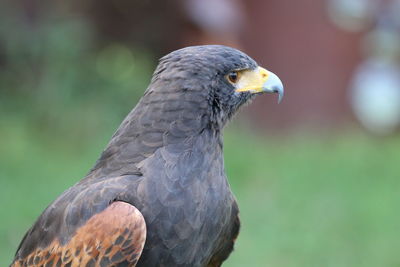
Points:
(314, 59)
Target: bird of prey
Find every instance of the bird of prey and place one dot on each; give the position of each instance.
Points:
(158, 195)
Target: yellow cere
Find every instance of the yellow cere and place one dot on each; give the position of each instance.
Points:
(252, 80)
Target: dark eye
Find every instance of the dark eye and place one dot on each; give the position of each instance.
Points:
(233, 76)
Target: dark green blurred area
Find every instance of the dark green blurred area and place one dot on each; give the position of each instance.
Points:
(305, 200)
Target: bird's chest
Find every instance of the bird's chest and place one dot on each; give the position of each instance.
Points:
(187, 231)
(187, 209)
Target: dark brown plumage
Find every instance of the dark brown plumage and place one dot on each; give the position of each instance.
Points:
(158, 195)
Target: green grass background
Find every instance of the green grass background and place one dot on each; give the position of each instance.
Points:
(304, 201)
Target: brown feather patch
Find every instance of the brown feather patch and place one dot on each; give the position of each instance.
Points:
(115, 235)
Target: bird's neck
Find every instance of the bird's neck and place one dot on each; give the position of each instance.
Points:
(147, 129)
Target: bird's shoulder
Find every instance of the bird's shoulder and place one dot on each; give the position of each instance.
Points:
(87, 205)
(114, 236)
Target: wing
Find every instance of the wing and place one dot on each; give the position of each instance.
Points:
(114, 236)
(85, 223)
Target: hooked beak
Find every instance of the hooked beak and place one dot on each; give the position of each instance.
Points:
(260, 80)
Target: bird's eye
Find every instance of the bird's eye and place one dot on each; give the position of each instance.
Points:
(233, 76)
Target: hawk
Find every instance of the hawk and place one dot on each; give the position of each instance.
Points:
(158, 195)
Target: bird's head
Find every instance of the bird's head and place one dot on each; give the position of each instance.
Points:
(212, 79)
(193, 89)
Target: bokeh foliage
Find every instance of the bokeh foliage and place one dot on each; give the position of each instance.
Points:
(55, 71)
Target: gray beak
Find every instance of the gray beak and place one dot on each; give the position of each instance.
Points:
(274, 85)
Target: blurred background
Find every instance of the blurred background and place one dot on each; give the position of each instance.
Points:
(316, 177)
